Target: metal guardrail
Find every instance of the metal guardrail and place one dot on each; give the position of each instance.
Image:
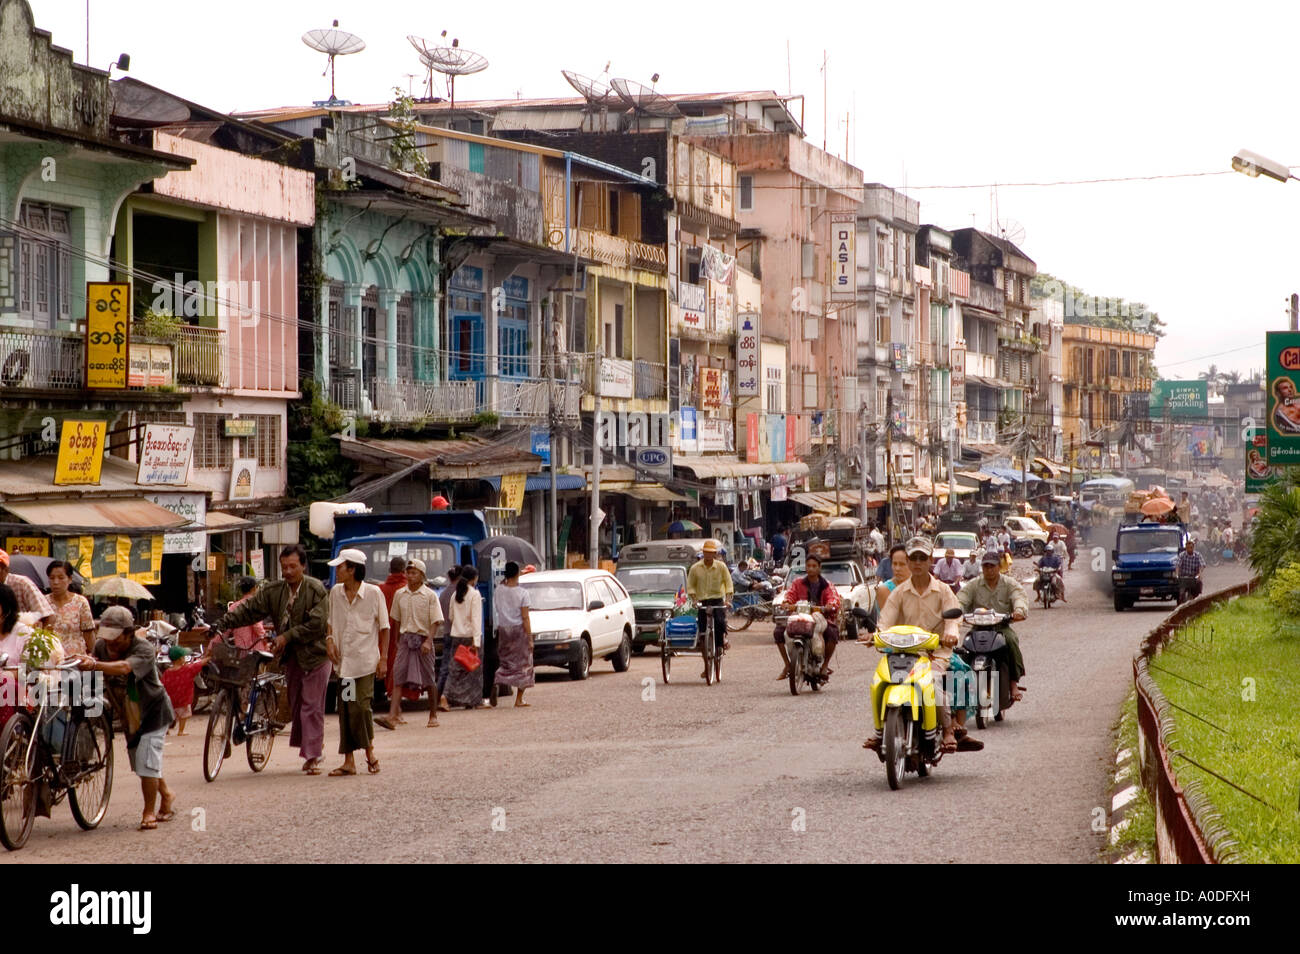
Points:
(1189, 829)
(42, 359)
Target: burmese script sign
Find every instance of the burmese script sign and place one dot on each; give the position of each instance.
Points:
(165, 455)
(81, 452)
(108, 334)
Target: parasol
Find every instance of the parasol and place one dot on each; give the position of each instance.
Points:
(1157, 506)
(120, 587)
(681, 526)
(504, 549)
(36, 569)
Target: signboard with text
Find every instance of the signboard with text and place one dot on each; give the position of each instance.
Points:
(1283, 375)
(243, 478)
(1179, 399)
(32, 546)
(616, 378)
(194, 508)
(81, 452)
(241, 426)
(1258, 472)
(747, 356)
(165, 454)
(512, 491)
(689, 439)
(844, 259)
(108, 334)
(711, 387)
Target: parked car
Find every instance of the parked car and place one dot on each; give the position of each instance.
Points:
(854, 590)
(654, 589)
(1023, 528)
(578, 616)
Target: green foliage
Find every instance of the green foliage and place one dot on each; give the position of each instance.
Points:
(1100, 312)
(159, 325)
(1276, 539)
(317, 468)
(488, 419)
(1283, 590)
(39, 647)
(403, 147)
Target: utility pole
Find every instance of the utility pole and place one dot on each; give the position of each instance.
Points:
(552, 537)
(865, 451)
(835, 435)
(889, 465)
(594, 546)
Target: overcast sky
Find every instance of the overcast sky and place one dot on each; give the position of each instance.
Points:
(938, 94)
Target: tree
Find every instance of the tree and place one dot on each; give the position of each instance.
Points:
(1082, 308)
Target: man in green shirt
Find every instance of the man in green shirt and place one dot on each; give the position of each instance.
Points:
(1001, 593)
(709, 584)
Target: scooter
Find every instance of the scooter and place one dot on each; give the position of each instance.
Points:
(903, 700)
(1045, 586)
(805, 647)
(984, 648)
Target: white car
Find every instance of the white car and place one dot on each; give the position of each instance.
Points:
(578, 616)
(1022, 528)
(962, 544)
(853, 588)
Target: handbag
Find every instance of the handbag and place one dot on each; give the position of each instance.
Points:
(467, 658)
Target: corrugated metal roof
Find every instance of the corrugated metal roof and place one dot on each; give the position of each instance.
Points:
(34, 477)
(466, 458)
(106, 512)
(735, 467)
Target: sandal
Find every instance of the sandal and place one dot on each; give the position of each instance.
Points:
(372, 766)
(872, 743)
(950, 745)
(311, 766)
(340, 771)
(386, 722)
(968, 744)
(432, 724)
(166, 816)
(148, 824)
(785, 674)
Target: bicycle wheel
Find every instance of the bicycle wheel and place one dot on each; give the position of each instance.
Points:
(717, 664)
(259, 742)
(740, 619)
(17, 784)
(89, 757)
(220, 721)
(706, 650)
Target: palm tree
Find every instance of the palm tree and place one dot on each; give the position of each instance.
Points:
(1276, 540)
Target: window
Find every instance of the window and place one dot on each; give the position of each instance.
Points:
(775, 393)
(212, 449)
(405, 341)
(810, 400)
(44, 264)
(1128, 364)
(882, 251)
(1113, 362)
(882, 400)
(746, 193)
(882, 329)
(265, 443)
(808, 260)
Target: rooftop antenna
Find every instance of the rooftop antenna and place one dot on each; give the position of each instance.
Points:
(643, 100)
(333, 42)
(450, 61)
(596, 93)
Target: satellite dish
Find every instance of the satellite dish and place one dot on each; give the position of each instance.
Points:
(333, 42)
(139, 105)
(1014, 232)
(596, 93)
(643, 100)
(450, 61)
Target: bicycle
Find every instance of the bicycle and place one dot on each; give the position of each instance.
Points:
(238, 670)
(711, 647)
(37, 769)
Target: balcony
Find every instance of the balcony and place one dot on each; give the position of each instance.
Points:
(609, 249)
(981, 432)
(532, 398)
(202, 359)
(1019, 342)
(42, 360)
(650, 380)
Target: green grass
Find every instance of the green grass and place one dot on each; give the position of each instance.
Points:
(1139, 834)
(1243, 644)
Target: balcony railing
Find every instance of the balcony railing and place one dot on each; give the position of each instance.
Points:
(532, 398)
(650, 380)
(982, 432)
(611, 249)
(422, 400)
(202, 359)
(42, 359)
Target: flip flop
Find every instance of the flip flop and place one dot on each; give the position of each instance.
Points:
(372, 766)
(340, 771)
(949, 747)
(314, 770)
(522, 705)
(968, 744)
(148, 825)
(386, 722)
(166, 816)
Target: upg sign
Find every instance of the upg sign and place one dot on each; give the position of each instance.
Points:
(654, 462)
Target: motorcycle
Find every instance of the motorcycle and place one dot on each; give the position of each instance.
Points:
(903, 700)
(984, 648)
(1045, 586)
(805, 646)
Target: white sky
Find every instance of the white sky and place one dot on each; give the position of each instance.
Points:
(942, 93)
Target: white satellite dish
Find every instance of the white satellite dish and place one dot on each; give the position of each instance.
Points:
(450, 61)
(333, 42)
(597, 94)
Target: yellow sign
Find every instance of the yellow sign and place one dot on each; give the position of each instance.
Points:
(32, 546)
(512, 492)
(81, 452)
(97, 558)
(108, 334)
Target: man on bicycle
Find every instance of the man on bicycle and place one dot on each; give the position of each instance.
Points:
(1190, 565)
(825, 599)
(709, 585)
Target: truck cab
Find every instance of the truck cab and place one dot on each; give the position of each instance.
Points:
(1145, 562)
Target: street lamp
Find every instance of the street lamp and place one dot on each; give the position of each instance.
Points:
(1253, 164)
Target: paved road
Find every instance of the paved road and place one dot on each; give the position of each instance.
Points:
(600, 771)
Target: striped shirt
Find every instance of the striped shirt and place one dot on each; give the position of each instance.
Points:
(1190, 564)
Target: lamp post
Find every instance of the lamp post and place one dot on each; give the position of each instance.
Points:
(1254, 165)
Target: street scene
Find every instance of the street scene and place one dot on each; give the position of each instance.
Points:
(484, 436)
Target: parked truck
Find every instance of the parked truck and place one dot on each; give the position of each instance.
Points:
(1145, 562)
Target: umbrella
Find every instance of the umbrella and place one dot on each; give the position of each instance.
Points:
(504, 549)
(36, 569)
(120, 587)
(1157, 506)
(681, 526)
(1060, 528)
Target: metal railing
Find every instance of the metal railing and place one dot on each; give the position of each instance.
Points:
(423, 400)
(1189, 830)
(42, 359)
(532, 397)
(202, 358)
(650, 380)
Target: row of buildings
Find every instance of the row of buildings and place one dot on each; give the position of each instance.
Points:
(736, 321)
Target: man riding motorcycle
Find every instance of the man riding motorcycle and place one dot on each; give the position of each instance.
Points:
(1001, 593)
(1050, 559)
(821, 593)
(921, 601)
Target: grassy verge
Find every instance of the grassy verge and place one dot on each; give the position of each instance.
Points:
(1238, 667)
(1139, 832)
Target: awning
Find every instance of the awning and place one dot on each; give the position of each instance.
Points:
(1053, 470)
(822, 503)
(709, 467)
(467, 458)
(543, 482)
(974, 475)
(1009, 476)
(110, 513)
(221, 522)
(654, 492)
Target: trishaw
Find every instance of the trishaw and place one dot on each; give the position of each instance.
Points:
(681, 637)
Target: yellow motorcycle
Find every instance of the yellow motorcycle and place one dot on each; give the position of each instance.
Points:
(904, 703)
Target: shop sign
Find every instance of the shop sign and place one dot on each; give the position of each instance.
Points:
(1283, 374)
(716, 434)
(540, 444)
(654, 462)
(161, 367)
(711, 386)
(81, 452)
(194, 508)
(243, 478)
(689, 440)
(693, 305)
(241, 426)
(512, 492)
(165, 454)
(617, 378)
(108, 334)
(31, 546)
(844, 260)
(97, 558)
(257, 561)
(754, 446)
(747, 356)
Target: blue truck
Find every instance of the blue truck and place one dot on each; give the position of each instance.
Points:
(1145, 562)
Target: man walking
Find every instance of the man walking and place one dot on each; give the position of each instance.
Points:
(296, 604)
(416, 622)
(514, 636)
(357, 644)
(1190, 565)
(394, 584)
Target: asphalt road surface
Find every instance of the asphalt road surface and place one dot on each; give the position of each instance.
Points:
(624, 768)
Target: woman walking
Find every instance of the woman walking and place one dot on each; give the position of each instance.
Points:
(73, 622)
(465, 668)
(514, 636)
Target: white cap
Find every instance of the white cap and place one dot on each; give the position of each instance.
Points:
(418, 564)
(349, 556)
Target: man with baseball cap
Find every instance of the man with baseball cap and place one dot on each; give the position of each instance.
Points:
(120, 652)
(921, 600)
(709, 584)
(1002, 593)
(30, 597)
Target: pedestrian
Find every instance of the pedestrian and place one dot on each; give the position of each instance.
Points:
(357, 644)
(779, 544)
(514, 636)
(120, 652)
(464, 685)
(417, 619)
(395, 583)
(73, 622)
(30, 597)
(296, 604)
(444, 661)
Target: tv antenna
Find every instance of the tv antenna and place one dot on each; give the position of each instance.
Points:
(450, 61)
(643, 100)
(333, 42)
(596, 93)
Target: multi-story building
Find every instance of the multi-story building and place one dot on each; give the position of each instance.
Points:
(1047, 405)
(1102, 368)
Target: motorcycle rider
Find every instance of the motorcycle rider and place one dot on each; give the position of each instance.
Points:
(921, 601)
(821, 593)
(1001, 593)
(1051, 559)
(1190, 565)
(948, 570)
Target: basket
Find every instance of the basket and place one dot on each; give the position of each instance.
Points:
(680, 632)
(235, 666)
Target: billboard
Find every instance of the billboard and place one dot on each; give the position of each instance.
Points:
(844, 259)
(1258, 472)
(1283, 374)
(1179, 399)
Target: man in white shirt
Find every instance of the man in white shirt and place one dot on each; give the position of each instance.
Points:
(877, 542)
(417, 617)
(357, 645)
